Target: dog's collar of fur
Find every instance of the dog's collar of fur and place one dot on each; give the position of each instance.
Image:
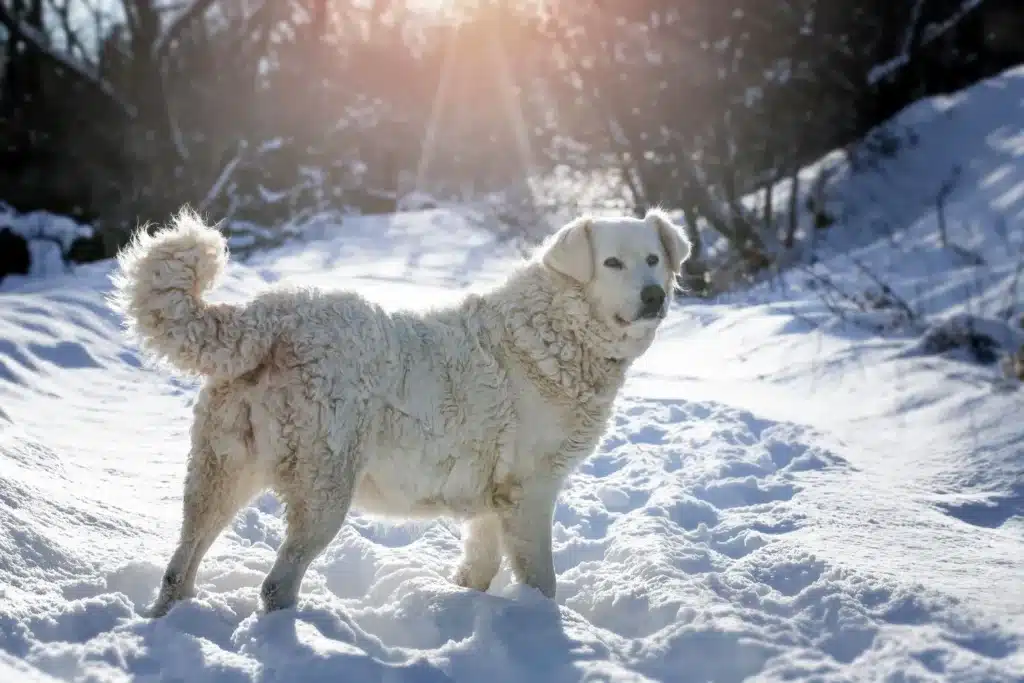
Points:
(569, 357)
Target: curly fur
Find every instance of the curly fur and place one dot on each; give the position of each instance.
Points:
(476, 411)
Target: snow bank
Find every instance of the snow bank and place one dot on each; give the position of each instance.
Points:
(960, 148)
(928, 239)
(781, 496)
(49, 237)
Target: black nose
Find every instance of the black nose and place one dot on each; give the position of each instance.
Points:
(652, 297)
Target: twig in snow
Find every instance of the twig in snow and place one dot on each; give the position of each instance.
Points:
(890, 295)
(1011, 292)
(940, 212)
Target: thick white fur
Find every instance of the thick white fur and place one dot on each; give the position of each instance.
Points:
(476, 411)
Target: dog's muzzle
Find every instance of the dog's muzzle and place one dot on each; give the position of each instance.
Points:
(652, 302)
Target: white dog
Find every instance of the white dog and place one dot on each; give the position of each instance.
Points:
(476, 411)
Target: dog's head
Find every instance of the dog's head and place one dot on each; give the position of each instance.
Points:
(626, 267)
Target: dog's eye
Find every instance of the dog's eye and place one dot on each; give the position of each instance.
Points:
(612, 262)
(652, 260)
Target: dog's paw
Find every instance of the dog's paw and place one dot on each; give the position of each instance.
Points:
(466, 577)
(159, 608)
(274, 597)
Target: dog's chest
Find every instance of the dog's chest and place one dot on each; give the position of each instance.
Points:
(548, 432)
(540, 427)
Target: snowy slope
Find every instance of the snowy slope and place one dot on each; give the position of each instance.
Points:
(781, 496)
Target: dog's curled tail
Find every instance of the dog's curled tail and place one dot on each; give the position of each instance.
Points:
(158, 289)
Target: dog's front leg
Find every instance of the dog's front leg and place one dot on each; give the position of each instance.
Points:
(481, 557)
(526, 536)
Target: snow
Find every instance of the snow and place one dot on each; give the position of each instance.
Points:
(49, 237)
(782, 494)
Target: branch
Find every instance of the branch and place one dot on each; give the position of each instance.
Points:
(37, 41)
(222, 179)
(63, 12)
(178, 26)
(257, 30)
(897, 300)
(920, 35)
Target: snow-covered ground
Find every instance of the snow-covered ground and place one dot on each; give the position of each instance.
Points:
(48, 235)
(782, 496)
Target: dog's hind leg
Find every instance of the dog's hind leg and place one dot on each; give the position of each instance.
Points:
(219, 481)
(314, 517)
(317, 492)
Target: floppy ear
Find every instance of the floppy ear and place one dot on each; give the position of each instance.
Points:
(569, 251)
(673, 239)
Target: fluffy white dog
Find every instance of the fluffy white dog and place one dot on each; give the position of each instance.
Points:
(476, 411)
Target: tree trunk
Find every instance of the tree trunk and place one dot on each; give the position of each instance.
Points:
(794, 209)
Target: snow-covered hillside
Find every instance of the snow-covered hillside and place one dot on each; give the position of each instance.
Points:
(782, 496)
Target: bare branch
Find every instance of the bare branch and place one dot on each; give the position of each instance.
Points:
(178, 25)
(222, 179)
(63, 12)
(36, 41)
